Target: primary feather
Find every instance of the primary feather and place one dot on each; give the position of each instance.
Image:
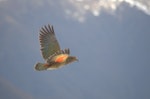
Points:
(48, 41)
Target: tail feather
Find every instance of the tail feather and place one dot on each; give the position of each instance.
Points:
(40, 67)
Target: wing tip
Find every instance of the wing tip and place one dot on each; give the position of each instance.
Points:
(47, 29)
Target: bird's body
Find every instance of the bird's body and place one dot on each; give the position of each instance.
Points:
(51, 52)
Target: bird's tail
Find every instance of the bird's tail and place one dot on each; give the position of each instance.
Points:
(40, 67)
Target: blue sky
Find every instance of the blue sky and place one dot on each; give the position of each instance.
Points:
(110, 39)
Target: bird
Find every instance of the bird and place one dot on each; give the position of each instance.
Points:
(52, 54)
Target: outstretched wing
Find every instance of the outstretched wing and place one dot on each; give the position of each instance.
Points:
(48, 41)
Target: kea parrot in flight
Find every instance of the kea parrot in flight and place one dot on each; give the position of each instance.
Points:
(54, 57)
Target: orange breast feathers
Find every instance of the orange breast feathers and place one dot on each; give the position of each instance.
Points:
(61, 58)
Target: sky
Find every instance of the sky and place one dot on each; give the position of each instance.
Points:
(109, 37)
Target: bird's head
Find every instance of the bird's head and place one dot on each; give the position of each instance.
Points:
(71, 59)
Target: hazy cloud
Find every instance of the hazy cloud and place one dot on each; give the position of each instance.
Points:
(2, 0)
(8, 90)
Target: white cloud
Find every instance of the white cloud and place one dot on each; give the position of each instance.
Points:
(78, 9)
(141, 5)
